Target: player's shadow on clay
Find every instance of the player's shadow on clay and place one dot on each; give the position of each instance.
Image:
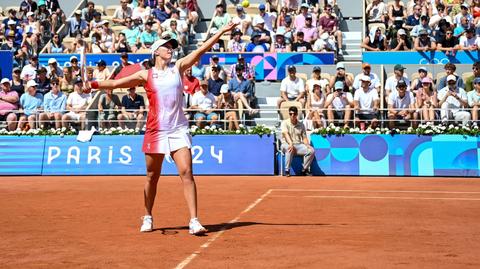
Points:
(213, 228)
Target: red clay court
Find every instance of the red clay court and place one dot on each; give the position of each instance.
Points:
(254, 222)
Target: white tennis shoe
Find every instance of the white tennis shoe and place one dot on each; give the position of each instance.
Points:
(147, 225)
(195, 228)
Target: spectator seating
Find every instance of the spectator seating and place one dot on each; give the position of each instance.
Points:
(110, 10)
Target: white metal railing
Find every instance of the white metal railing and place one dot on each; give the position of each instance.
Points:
(92, 117)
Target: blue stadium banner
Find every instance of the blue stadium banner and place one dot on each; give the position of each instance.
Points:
(423, 58)
(272, 66)
(21, 155)
(398, 155)
(121, 155)
(6, 68)
(112, 59)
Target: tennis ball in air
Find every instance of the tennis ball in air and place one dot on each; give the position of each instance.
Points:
(245, 3)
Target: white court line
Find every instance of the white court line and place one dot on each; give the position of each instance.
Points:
(222, 230)
(377, 191)
(378, 197)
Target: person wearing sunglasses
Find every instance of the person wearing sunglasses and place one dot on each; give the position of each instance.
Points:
(474, 99)
(470, 79)
(54, 104)
(453, 100)
(122, 13)
(295, 142)
(448, 43)
(424, 42)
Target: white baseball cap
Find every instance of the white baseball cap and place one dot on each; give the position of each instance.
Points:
(451, 77)
(365, 78)
(6, 80)
(31, 83)
(29, 14)
(166, 38)
(52, 60)
(224, 88)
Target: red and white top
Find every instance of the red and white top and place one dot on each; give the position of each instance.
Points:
(165, 95)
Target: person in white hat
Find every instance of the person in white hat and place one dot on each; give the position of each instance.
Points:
(324, 44)
(167, 127)
(53, 70)
(227, 103)
(280, 43)
(366, 104)
(30, 103)
(400, 42)
(339, 105)
(76, 25)
(8, 104)
(341, 75)
(453, 100)
(263, 34)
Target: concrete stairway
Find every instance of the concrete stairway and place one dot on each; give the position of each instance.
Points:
(351, 45)
(267, 94)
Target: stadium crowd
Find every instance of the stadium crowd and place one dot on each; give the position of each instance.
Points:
(423, 25)
(52, 95)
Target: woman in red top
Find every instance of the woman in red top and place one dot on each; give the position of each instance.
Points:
(167, 126)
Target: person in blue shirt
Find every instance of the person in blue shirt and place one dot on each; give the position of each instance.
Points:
(132, 34)
(30, 103)
(54, 103)
(256, 45)
(242, 89)
(148, 37)
(77, 25)
(414, 19)
(198, 71)
(162, 12)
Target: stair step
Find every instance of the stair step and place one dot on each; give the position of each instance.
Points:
(353, 58)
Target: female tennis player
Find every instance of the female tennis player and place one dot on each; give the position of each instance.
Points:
(167, 128)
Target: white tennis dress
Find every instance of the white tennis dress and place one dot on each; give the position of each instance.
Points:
(167, 127)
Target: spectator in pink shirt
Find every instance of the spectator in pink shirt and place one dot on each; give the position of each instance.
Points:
(8, 104)
(329, 23)
(299, 22)
(309, 30)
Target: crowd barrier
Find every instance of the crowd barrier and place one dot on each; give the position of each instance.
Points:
(352, 155)
(421, 58)
(122, 155)
(398, 155)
